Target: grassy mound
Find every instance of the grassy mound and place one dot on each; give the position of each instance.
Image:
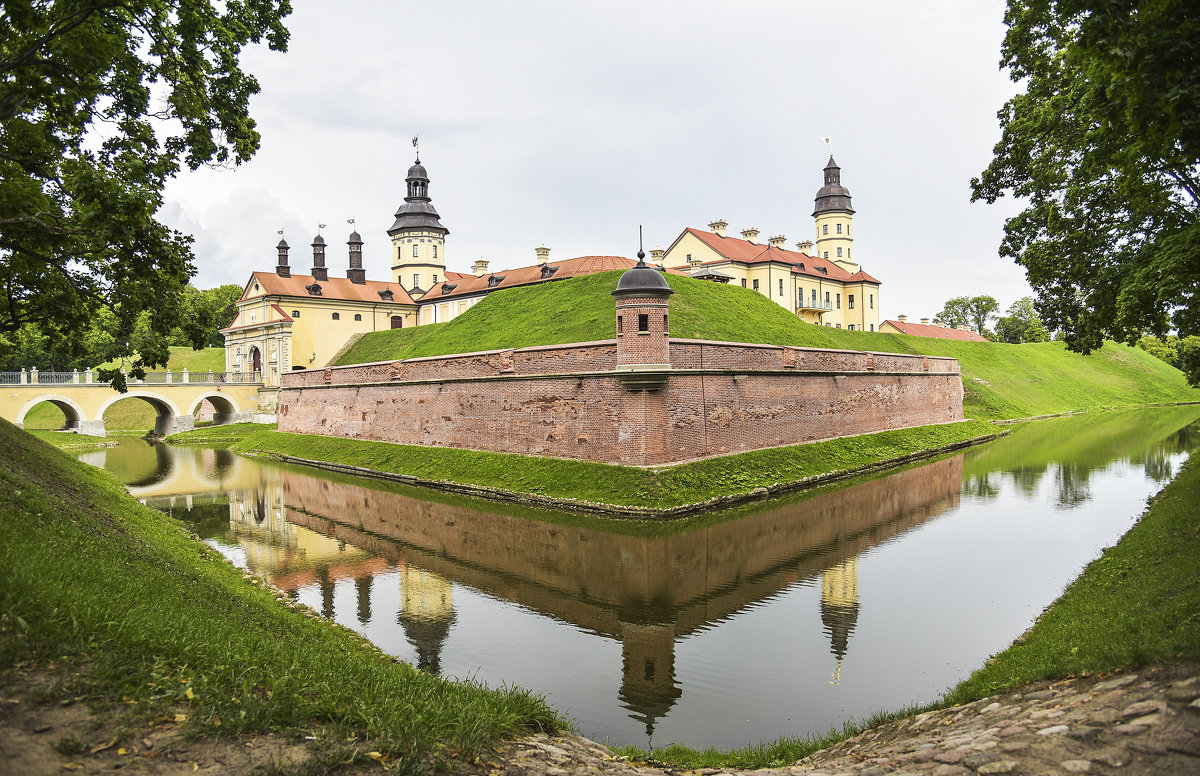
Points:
(88, 574)
(1000, 380)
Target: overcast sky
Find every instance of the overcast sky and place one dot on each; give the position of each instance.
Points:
(570, 123)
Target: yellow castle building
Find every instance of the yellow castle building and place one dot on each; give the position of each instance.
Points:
(287, 321)
(821, 282)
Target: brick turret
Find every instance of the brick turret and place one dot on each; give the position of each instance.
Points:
(643, 338)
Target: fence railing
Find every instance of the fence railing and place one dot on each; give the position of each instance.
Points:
(90, 377)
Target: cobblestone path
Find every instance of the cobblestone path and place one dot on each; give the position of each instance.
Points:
(1127, 723)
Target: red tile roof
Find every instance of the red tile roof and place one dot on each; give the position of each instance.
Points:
(938, 332)
(746, 252)
(468, 285)
(333, 288)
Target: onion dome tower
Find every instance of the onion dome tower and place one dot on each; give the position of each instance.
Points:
(834, 218)
(356, 273)
(418, 237)
(643, 342)
(319, 272)
(282, 269)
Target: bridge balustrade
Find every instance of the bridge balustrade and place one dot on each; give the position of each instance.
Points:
(34, 376)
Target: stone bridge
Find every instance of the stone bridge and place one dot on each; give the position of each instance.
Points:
(175, 397)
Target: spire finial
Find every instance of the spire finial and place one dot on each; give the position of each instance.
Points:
(641, 254)
(417, 146)
(829, 142)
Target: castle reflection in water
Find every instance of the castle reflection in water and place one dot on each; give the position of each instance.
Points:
(302, 532)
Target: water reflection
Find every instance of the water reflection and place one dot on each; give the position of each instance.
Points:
(714, 619)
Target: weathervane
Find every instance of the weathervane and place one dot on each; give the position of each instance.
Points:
(417, 146)
(351, 222)
(829, 142)
(641, 254)
(319, 228)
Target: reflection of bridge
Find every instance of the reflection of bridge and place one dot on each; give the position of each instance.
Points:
(645, 592)
(174, 397)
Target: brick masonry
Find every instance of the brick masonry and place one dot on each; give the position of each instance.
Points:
(568, 400)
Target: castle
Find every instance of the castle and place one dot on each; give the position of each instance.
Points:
(288, 322)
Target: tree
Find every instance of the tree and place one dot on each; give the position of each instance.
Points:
(1104, 147)
(1021, 324)
(1163, 348)
(973, 312)
(100, 104)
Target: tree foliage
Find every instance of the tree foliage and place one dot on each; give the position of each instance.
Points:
(974, 312)
(1104, 147)
(1021, 324)
(1163, 348)
(100, 104)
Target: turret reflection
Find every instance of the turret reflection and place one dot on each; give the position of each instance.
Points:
(839, 608)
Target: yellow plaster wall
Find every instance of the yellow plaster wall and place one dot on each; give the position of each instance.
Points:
(429, 265)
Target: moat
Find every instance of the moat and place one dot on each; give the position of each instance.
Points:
(783, 618)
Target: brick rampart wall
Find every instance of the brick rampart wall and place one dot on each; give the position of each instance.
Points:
(565, 401)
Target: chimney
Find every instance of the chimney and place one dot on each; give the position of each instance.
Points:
(750, 235)
(778, 241)
(902, 318)
(282, 269)
(319, 272)
(480, 267)
(805, 247)
(543, 254)
(657, 256)
(694, 261)
(718, 227)
(356, 273)
(924, 321)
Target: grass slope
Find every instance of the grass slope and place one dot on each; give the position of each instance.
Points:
(88, 574)
(1000, 380)
(604, 483)
(1138, 603)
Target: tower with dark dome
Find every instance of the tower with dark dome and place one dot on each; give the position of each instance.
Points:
(643, 335)
(418, 237)
(834, 220)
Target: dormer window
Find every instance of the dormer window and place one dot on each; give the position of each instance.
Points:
(547, 271)
(800, 266)
(495, 280)
(823, 270)
(314, 289)
(386, 295)
(448, 287)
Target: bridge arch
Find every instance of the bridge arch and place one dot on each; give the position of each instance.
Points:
(72, 411)
(225, 409)
(169, 421)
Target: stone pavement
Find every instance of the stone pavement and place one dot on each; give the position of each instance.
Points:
(1145, 723)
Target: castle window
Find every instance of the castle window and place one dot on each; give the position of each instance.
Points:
(619, 324)
(839, 304)
(337, 316)
(358, 316)
(314, 289)
(435, 279)
(872, 298)
(251, 317)
(850, 327)
(781, 286)
(743, 282)
(872, 327)
(397, 322)
(416, 280)
(664, 324)
(824, 228)
(839, 228)
(643, 322)
(839, 253)
(415, 249)
(295, 313)
(435, 251)
(547, 271)
(756, 284)
(386, 295)
(826, 300)
(850, 301)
